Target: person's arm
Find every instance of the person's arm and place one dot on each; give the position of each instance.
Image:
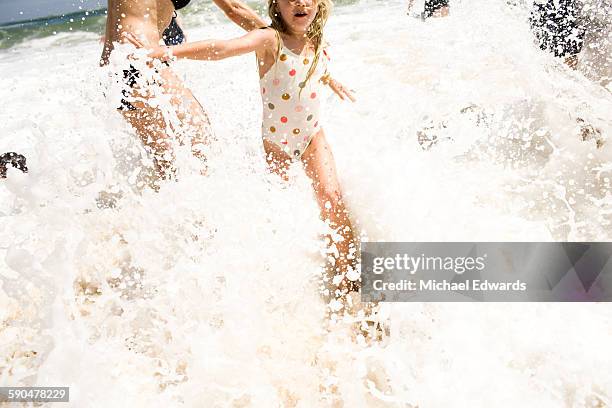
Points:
(338, 88)
(335, 86)
(241, 14)
(108, 43)
(212, 50)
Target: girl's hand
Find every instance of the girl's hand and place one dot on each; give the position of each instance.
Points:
(338, 88)
(157, 52)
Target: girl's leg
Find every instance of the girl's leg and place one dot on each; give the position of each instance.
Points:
(321, 168)
(277, 160)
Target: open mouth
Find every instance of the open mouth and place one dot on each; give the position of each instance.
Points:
(300, 14)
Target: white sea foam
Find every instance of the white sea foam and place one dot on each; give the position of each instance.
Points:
(206, 293)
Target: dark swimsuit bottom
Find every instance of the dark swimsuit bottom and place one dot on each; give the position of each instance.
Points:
(130, 77)
(431, 6)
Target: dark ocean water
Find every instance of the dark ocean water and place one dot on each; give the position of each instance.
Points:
(87, 21)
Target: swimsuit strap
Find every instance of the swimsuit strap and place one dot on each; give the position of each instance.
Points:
(279, 45)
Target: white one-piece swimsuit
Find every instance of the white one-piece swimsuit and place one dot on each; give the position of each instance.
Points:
(290, 117)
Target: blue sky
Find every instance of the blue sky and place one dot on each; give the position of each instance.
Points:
(12, 11)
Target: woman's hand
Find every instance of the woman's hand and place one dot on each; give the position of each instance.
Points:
(157, 52)
(338, 88)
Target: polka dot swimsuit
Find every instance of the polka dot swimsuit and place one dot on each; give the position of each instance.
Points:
(291, 117)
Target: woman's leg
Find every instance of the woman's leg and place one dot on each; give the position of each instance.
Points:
(152, 123)
(193, 117)
(321, 168)
(150, 126)
(277, 160)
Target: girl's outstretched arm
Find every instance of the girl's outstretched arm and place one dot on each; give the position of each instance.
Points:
(335, 86)
(240, 14)
(256, 40)
(338, 88)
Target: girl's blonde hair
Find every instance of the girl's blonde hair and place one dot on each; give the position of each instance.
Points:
(315, 30)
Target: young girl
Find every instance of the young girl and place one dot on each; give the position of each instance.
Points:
(292, 71)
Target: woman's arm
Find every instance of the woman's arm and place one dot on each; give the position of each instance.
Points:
(241, 14)
(108, 36)
(212, 50)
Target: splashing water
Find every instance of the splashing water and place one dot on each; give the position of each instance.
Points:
(207, 293)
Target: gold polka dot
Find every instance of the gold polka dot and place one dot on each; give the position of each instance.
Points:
(272, 129)
(309, 118)
(296, 131)
(302, 84)
(286, 96)
(271, 105)
(306, 61)
(283, 57)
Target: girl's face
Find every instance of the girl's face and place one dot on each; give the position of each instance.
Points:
(298, 14)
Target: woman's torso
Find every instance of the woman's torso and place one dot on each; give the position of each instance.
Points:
(147, 19)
